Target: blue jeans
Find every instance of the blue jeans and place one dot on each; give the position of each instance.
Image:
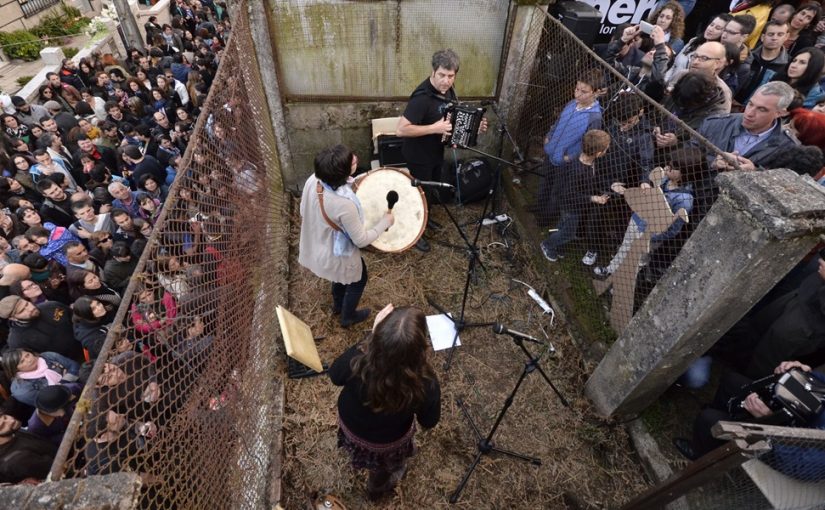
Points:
(567, 228)
(345, 298)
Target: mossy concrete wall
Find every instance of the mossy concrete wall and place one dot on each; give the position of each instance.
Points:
(341, 64)
(119, 491)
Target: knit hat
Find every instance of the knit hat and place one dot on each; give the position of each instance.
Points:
(52, 105)
(7, 305)
(52, 398)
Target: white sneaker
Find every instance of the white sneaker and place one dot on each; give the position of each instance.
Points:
(601, 272)
(589, 258)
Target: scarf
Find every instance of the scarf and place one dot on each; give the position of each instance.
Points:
(42, 371)
(342, 244)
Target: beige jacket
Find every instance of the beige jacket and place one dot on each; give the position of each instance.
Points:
(315, 248)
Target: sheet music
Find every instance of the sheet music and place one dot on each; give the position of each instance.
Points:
(442, 331)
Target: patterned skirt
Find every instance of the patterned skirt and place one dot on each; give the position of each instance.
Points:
(387, 457)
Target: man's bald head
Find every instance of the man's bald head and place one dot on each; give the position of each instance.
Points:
(13, 273)
(709, 58)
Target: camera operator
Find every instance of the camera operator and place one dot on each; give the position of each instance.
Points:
(796, 461)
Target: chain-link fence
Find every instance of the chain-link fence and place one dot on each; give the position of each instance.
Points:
(185, 391)
(616, 175)
(761, 467)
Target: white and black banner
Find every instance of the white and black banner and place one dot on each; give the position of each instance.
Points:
(616, 12)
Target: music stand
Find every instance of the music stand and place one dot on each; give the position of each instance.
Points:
(484, 444)
(300, 346)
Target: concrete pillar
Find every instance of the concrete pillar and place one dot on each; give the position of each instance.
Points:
(111, 27)
(52, 56)
(118, 490)
(260, 25)
(760, 227)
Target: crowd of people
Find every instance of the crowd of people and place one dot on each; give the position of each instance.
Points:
(752, 83)
(86, 171)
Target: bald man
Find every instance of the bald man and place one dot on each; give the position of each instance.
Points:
(708, 59)
(10, 274)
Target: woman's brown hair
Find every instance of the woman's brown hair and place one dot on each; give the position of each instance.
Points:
(394, 368)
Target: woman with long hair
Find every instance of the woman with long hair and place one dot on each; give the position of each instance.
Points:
(92, 318)
(713, 32)
(22, 171)
(388, 384)
(154, 310)
(803, 73)
(14, 128)
(192, 81)
(671, 18)
(29, 372)
(29, 290)
(87, 283)
(801, 27)
(137, 88)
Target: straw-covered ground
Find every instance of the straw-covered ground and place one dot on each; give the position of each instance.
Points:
(587, 463)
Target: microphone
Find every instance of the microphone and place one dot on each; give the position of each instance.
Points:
(501, 329)
(416, 183)
(392, 198)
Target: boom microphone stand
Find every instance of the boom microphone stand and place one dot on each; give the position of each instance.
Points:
(484, 444)
(459, 322)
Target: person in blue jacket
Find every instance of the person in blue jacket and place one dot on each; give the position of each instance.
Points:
(563, 143)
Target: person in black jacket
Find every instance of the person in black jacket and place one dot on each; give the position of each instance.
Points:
(23, 455)
(46, 327)
(581, 186)
(387, 382)
(92, 319)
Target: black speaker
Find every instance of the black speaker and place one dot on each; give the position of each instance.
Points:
(580, 18)
(389, 151)
(472, 180)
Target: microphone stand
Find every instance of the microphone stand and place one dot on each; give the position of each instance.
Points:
(485, 444)
(496, 181)
(459, 323)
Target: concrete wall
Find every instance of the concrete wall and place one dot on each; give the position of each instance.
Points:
(111, 492)
(382, 49)
(11, 16)
(374, 54)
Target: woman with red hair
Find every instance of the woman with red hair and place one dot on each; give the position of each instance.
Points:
(809, 128)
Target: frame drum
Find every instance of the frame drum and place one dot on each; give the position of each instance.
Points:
(410, 211)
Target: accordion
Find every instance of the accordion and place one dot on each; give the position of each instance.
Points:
(465, 121)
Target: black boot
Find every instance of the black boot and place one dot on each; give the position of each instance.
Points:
(338, 292)
(349, 314)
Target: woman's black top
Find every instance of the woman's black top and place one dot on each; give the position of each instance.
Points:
(378, 427)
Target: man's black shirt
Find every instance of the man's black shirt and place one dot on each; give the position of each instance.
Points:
(425, 107)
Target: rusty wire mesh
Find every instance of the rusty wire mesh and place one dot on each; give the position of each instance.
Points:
(785, 470)
(185, 390)
(549, 125)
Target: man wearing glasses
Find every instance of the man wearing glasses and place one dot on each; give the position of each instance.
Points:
(708, 59)
(737, 32)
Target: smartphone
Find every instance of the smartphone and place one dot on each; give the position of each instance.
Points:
(646, 27)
